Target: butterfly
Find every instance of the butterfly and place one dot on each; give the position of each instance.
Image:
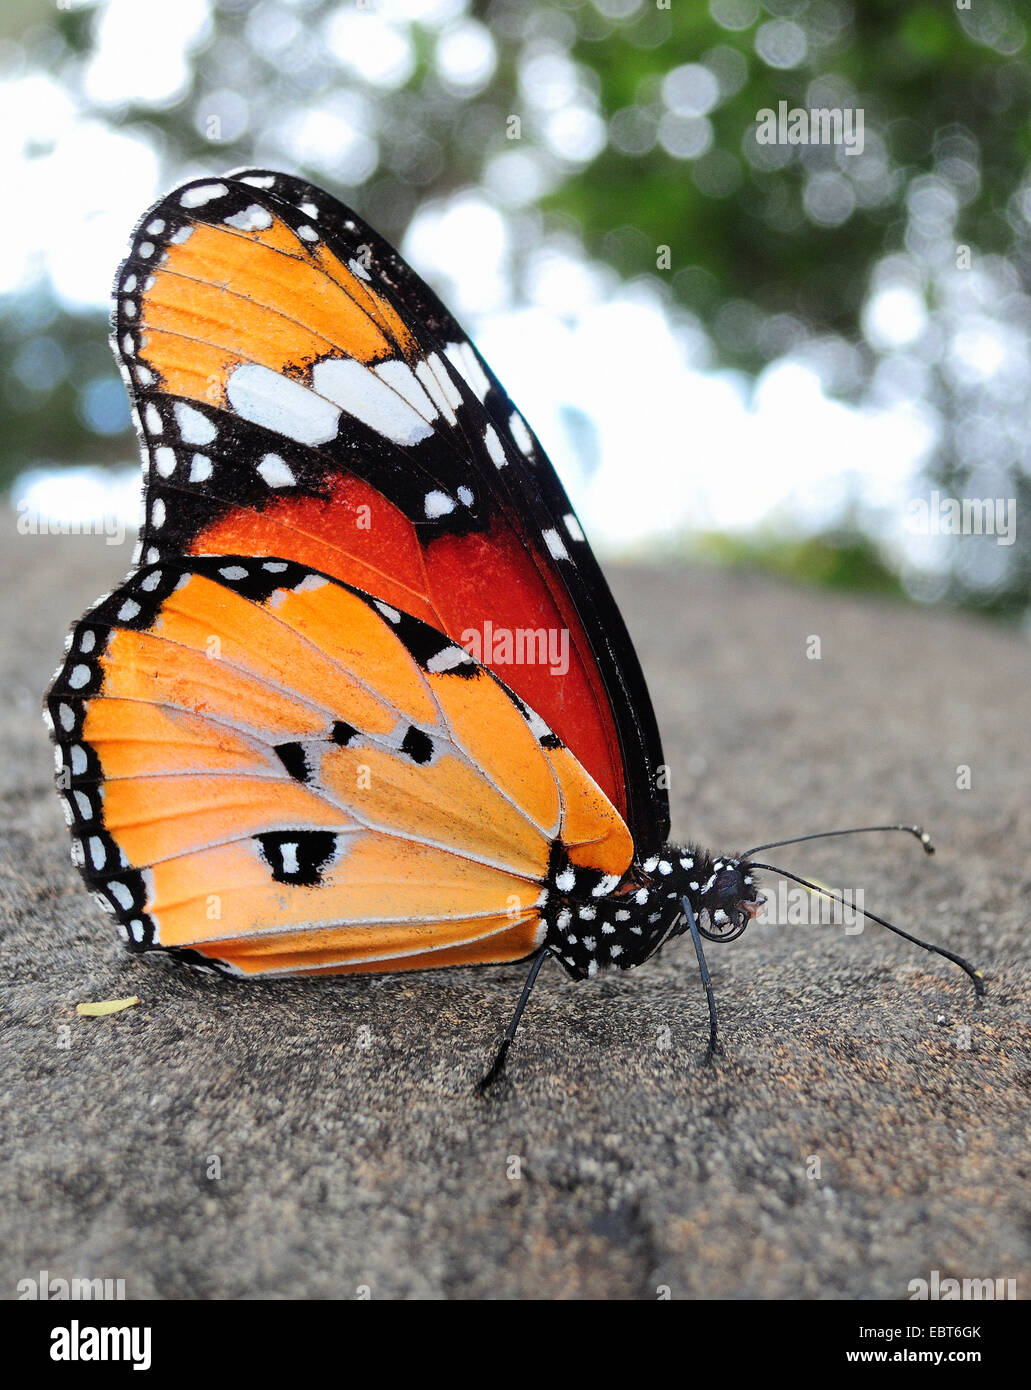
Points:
(365, 701)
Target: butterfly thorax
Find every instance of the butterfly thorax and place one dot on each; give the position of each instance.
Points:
(594, 923)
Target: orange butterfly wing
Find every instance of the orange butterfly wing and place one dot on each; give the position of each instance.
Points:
(274, 772)
(300, 393)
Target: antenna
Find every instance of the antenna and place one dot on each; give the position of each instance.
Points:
(916, 830)
(975, 975)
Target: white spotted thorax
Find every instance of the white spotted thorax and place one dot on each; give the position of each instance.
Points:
(595, 922)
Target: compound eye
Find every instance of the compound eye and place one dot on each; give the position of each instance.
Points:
(728, 885)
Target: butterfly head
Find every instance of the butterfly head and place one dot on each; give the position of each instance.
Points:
(728, 897)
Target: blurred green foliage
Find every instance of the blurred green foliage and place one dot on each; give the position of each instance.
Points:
(637, 127)
(937, 104)
(834, 561)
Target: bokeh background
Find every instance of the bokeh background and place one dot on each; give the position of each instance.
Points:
(759, 354)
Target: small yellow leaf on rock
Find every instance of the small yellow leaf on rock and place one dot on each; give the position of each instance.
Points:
(105, 1007)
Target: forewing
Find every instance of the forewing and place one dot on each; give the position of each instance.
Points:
(301, 392)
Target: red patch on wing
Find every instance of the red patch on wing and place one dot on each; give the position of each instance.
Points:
(457, 583)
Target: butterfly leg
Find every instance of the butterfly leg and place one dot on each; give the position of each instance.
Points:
(714, 1042)
(498, 1065)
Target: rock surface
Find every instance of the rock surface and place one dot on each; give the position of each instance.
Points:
(865, 1125)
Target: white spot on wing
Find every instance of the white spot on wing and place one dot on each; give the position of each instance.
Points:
(440, 386)
(437, 504)
(447, 659)
(252, 219)
(467, 364)
(120, 893)
(520, 433)
(366, 396)
(400, 378)
(278, 403)
(276, 471)
(201, 194)
(194, 427)
(494, 446)
(553, 541)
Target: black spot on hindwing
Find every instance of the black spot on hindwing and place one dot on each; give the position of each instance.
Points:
(292, 756)
(417, 745)
(298, 856)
